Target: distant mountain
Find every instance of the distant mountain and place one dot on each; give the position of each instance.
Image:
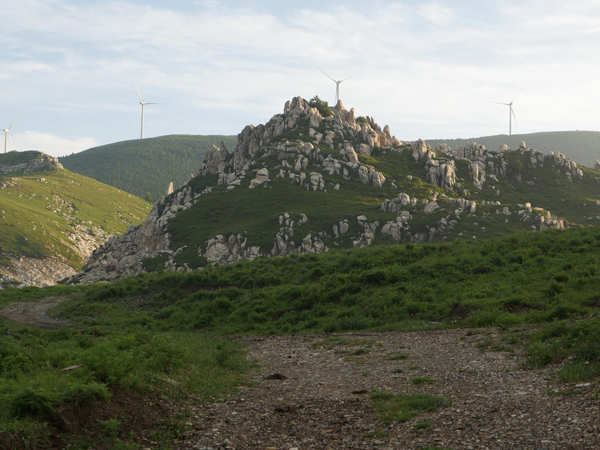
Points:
(52, 219)
(583, 147)
(316, 178)
(144, 166)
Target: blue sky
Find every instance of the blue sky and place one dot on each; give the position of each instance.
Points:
(68, 68)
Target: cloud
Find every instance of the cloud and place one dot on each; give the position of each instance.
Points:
(436, 14)
(426, 69)
(51, 144)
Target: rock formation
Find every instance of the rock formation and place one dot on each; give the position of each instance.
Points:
(29, 162)
(333, 155)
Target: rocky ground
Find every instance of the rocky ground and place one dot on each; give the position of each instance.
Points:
(315, 396)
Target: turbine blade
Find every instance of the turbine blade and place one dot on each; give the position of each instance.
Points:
(350, 77)
(138, 116)
(517, 95)
(324, 73)
(14, 122)
(11, 141)
(151, 103)
(498, 103)
(138, 89)
(515, 117)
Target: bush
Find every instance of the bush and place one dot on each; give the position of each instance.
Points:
(32, 403)
(321, 106)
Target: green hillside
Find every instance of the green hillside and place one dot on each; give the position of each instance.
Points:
(148, 165)
(254, 212)
(305, 183)
(583, 147)
(49, 212)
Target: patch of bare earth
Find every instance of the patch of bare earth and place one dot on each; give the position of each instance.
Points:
(34, 314)
(318, 398)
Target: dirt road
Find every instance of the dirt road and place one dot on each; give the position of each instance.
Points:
(34, 313)
(318, 398)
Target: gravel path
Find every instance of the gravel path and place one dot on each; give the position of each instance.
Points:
(321, 401)
(34, 313)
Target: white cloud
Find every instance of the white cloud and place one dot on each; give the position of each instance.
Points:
(425, 69)
(51, 144)
(436, 13)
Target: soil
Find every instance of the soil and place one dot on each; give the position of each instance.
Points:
(33, 314)
(312, 396)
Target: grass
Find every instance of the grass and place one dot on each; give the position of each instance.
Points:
(396, 357)
(539, 289)
(376, 289)
(423, 424)
(254, 213)
(422, 380)
(403, 407)
(36, 216)
(171, 366)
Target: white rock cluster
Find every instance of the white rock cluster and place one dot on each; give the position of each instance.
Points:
(29, 162)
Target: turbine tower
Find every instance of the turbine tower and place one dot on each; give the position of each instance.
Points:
(7, 135)
(511, 113)
(337, 84)
(143, 103)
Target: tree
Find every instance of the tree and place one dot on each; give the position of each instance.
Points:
(148, 197)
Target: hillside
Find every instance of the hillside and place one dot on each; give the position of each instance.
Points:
(314, 179)
(52, 219)
(141, 344)
(144, 166)
(583, 147)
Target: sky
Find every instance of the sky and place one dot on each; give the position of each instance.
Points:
(69, 69)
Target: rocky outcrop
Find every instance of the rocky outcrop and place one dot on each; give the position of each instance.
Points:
(27, 162)
(322, 155)
(23, 271)
(214, 160)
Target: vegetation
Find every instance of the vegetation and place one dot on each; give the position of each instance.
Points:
(321, 105)
(254, 213)
(403, 407)
(520, 280)
(539, 288)
(146, 165)
(39, 209)
(580, 146)
(47, 375)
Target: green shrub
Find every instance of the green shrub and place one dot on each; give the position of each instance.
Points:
(321, 105)
(30, 402)
(85, 392)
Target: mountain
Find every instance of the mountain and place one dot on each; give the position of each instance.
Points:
(52, 219)
(583, 147)
(316, 178)
(145, 166)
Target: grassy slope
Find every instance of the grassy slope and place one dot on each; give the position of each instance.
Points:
(164, 369)
(523, 278)
(148, 165)
(35, 214)
(583, 147)
(254, 212)
(521, 283)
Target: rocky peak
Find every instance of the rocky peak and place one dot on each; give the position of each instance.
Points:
(29, 161)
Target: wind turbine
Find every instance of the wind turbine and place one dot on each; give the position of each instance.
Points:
(337, 84)
(143, 103)
(7, 135)
(511, 113)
